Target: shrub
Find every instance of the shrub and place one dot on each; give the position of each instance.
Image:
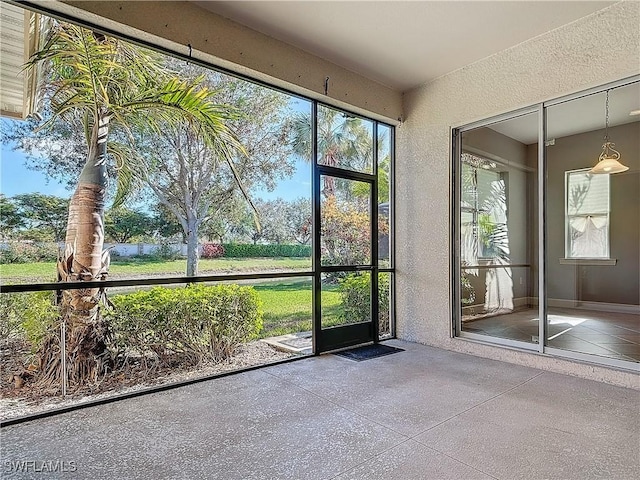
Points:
(27, 252)
(29, 314)
(345, 234)
(164, 251)
(249, 250)
(10, 317)
(41, 315)
(212, 250)
(186, 325)
(355, 292)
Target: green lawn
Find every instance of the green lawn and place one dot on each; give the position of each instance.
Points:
(287, 307)
(139, 267)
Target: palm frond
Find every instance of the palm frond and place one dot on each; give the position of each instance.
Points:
(301, 140)
(109, 79)
(129, 176)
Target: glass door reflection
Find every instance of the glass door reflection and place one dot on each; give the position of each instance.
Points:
(498, 230)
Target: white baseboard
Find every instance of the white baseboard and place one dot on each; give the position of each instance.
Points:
(479, 307)
(596, 306)
(521, 302)
(563, 303)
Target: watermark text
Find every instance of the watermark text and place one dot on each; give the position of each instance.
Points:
(39, 466)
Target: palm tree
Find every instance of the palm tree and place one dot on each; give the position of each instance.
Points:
(111, 86)
(343, 141)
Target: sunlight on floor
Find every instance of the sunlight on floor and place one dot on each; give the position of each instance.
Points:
(560, 319)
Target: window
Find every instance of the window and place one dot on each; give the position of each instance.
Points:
(586, 215)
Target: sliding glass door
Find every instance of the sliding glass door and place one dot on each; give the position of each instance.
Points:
(593, 226)
(546, 238)
(497, 228)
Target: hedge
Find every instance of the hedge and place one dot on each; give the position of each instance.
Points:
(355, 292)
(249, 250)
(30, 315)
(28, 252)
(185, 326)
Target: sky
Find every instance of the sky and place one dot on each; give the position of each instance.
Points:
(16, 178)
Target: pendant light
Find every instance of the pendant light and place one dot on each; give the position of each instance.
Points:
(609, 158)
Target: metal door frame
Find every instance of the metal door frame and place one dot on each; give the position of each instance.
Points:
(358, 333)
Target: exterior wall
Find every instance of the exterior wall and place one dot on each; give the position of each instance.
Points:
(597, 49)
(224, 43)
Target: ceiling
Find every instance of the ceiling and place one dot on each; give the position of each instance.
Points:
(19, 35)
(583, 114)
(403, 44)
(12, 24)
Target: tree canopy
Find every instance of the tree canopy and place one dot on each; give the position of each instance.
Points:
(123, 225)
(10, 217)
(194, 183)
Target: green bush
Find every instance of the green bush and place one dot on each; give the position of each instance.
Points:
(249, 250)
(29, 314)
(28, 252)
(355, 292)
(10, 316)
(185, 325)
(164, 251)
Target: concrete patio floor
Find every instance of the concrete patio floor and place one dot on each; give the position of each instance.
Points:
(423, 413)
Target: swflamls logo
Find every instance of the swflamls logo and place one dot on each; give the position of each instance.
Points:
(39, 466)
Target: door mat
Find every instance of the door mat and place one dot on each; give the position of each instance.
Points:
(368, 351)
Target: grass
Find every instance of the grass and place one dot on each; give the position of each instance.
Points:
(28, 272)
(140, 267)
(287, 307)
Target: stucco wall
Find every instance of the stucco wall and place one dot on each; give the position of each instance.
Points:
(591, 51)
(224, 43)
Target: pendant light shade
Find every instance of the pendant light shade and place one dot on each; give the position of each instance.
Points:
(609, 160)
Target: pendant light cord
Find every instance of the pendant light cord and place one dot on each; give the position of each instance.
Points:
(606, 121)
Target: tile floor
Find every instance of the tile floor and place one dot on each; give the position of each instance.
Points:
(423, 413)
(613, 335)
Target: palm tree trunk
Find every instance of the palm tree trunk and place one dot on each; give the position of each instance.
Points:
(83, 260)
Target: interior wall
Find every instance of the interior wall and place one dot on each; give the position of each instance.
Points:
(619, 283)
(615, 284)
(489, 143)
(597, 49)
(227, 44)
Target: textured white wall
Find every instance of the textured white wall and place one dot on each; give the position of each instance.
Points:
(591, 51)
